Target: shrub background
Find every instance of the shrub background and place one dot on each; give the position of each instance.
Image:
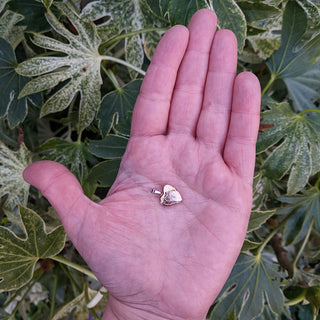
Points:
(70, 72)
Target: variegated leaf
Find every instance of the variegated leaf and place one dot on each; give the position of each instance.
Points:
(9, 30)
(266, 42)
(78, 306)
(125, 16)
(231, 17)
(18, 256)
(81, 66)
(2, 4)
(12, 185)
(312, 11)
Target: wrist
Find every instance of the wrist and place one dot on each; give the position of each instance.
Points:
(117, 310)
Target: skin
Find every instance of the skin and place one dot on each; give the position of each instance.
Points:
(194, 126)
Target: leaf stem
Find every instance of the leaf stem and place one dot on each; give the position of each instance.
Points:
(74, 266)
(303, 244)
(130, 34)
(270, 82)
(272, 233)
(111, 77)
(308, 110)
(129, 65)
(68, 274)
(54, 290)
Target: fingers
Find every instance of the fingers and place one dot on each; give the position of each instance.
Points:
(150, 115)
(239, 151)
(214, 118)
(63, 191)
(188, 92)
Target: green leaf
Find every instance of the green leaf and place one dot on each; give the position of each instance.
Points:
(18, 256)
(289, 60)
(303, 206)
(10, 86)
(254, 281)
(47, 3)
(180, 11)
(124, 128)
(249, 245)
(103, 175)
(258, 218)
(33, 12)
(111, 147)
(304, 90)
(81, 67)
(231, 17)
(12, 184)
(116, 104)
(298, 145)
(257, 11)
(71, 154)
(9, 29)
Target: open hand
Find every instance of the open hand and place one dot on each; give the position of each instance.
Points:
(194, 127)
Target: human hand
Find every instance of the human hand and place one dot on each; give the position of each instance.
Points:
(194, 126)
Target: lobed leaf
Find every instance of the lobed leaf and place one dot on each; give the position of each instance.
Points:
(304, 207)
(180, 11)
(291, 61)
(102, 174)
(298, 149)
(231, 17)
(111, 147)
(116, 104)
(18, 256)
(12, 184)
(71, 154)
(304, 90)
(9, 30)
(258, 218)
(33, 12)
(124, 16)
(10, 86)
(81, 67)
(254, 281)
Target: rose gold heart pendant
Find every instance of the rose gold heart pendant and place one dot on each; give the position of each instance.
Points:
(169, 196)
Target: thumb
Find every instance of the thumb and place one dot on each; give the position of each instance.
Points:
(63, 191)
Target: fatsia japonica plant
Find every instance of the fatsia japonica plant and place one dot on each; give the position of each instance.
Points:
(70, 72)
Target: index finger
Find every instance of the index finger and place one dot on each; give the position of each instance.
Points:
(150, 115)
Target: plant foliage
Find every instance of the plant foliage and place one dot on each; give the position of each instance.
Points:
(70, 72)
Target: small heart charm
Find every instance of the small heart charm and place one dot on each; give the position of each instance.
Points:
(169, 196)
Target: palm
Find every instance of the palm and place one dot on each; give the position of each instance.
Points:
(172, 261)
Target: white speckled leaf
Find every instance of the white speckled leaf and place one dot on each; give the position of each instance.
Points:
(12, 185)
(81, 66)
(71, 154)
(9, 30)
(2, 4)
(18, 256)
(265, 43)
(298, 153)
(253, 282)
(312, 10)
(231, 17)
(124, 16)
(78, 304)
